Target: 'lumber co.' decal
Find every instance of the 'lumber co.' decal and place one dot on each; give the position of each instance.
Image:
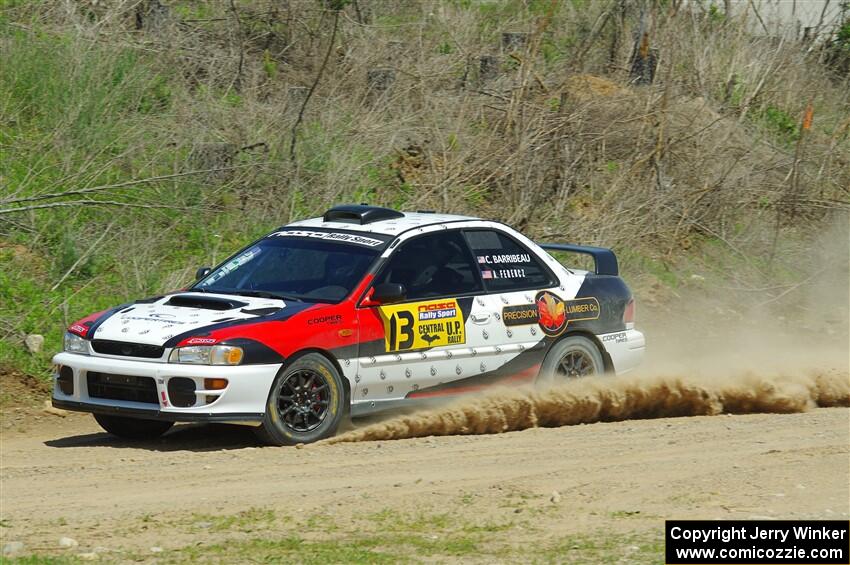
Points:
(420, 325)
(556, 314)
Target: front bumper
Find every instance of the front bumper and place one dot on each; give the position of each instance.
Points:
(242, 400)
(168, 416)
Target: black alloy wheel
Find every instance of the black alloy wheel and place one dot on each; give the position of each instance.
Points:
(303, 399)
(571, 357)
(307, 402)
(574, 364)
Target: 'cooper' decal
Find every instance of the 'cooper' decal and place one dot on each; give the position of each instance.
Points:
(420, 325)
(556, 314)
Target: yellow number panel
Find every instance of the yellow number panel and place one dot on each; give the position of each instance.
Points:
(419, 325)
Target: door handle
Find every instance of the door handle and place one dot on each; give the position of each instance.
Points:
(480, 318)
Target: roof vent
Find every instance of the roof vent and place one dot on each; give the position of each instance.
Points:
(360, 214)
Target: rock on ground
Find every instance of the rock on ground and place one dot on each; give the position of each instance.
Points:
(34, 343)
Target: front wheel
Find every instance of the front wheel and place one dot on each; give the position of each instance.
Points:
(306, 403)
(571, 358)
(132, 428)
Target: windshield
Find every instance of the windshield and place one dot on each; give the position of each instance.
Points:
(307, 268)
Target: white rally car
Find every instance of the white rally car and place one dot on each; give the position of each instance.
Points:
(361, 310)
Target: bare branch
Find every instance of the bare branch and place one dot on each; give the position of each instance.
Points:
(75, 203)
(310, 92)
(120, 185)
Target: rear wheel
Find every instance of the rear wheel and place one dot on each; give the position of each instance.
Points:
(571, 358)
(132, 428)
(306, 403)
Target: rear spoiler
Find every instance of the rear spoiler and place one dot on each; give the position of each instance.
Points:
(604, 258)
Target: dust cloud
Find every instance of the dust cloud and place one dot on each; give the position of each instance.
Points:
(610, 399)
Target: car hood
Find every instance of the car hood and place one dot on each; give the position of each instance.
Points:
(155, 322)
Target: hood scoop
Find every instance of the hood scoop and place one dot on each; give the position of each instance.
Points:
(204, 302)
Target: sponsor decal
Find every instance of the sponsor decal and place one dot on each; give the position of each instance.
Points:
(619, 337)
(520, 315)
(200, 340)
(553, 317)
(437, 310)
(332, 319)
(556, 314)
(78, 329)
(154, 318)
(232, 265)
(334, 236)
(420, 325)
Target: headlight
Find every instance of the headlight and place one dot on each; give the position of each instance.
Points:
(207, 355)
(75, 344)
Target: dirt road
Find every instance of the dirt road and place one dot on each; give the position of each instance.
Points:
(62, 477)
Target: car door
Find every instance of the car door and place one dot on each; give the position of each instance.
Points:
(439, 334)
(516, 280)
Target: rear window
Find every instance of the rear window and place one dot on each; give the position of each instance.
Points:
(505, 264)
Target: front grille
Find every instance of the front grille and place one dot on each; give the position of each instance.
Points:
(127, 349)
(121, 387)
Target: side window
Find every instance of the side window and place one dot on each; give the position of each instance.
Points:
(506, 265)
(437, 264)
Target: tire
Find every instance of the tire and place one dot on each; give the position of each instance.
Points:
(571, 358)
(132, 428)
(306, 403)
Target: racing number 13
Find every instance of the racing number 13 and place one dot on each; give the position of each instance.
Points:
(401, 330)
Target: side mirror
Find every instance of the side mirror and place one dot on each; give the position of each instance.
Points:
(385, 293)
(202, 272)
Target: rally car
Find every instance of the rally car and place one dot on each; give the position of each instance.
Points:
(361, 310)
